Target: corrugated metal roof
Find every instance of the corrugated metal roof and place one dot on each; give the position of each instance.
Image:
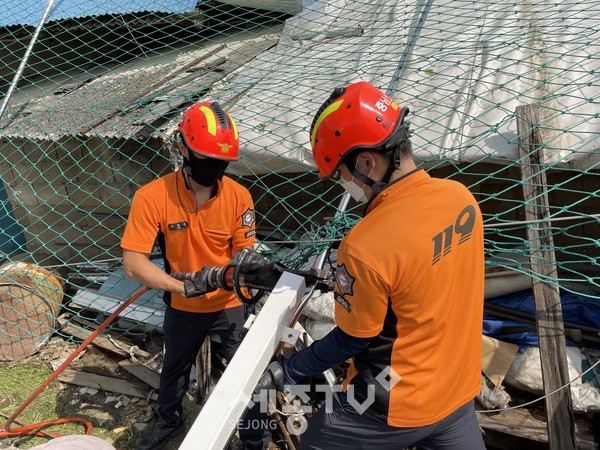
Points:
(135, 100)
(463, 73)
(29, 12)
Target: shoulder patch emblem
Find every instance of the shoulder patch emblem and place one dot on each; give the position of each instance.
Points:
(342, 301)
(344, 280)
(248, 218)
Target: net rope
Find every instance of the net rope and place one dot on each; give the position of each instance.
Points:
(90, 105)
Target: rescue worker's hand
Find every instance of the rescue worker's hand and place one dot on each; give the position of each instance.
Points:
(256, 271)
(272, 378)
(249, 260)
(199, 283)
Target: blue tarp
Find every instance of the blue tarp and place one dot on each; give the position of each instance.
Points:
(577, 310)
(29, 12)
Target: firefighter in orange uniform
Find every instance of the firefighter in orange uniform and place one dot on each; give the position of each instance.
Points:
(409, 290)
(198, 217)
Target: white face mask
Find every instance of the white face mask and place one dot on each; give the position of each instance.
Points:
(355, 191)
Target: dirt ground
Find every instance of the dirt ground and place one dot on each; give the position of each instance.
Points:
(121, 420)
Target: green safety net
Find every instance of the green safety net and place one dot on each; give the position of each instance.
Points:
(90, 104)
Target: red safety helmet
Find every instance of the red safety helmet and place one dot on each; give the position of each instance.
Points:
(357, 116)
(207, 130)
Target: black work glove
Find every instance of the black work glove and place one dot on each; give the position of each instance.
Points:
(272, 378)
(257, 271)
(200, 282)
(249, 260)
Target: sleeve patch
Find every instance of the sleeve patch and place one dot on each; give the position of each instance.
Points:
(344, 280)
(342, 301)
(250, 233)
(248, 218)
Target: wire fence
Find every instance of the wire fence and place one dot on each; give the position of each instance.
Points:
(92, 95)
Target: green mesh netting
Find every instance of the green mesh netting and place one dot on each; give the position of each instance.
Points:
(91, 102)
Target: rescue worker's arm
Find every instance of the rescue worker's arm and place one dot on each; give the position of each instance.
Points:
(245, 230)
(335, 348)
(138, 267)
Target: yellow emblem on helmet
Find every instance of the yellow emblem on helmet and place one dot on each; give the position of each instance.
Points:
(224, 147)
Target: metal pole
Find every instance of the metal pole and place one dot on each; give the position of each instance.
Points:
(328, 374)
(341, 208)
(414, 34)
(319, 262)
(21, 68)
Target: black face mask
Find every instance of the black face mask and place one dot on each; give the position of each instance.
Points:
(205, 172)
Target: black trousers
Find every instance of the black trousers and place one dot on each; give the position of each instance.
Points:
(184, 333)
(345, 428)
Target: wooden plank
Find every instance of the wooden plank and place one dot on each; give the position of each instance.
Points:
(111, 345)
(521, 423)
(104, 383)
(518, 422)
(143, 373)
(548, 309)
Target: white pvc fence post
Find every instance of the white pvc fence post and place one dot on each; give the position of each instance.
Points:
(219, 417)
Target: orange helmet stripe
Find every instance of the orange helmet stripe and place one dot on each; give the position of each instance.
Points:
(330, 109)
(211, 120)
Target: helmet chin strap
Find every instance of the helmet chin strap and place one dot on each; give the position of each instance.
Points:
(378, 186)
(401, 135)
(394, 165)
(361, 176)
(186, 178)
